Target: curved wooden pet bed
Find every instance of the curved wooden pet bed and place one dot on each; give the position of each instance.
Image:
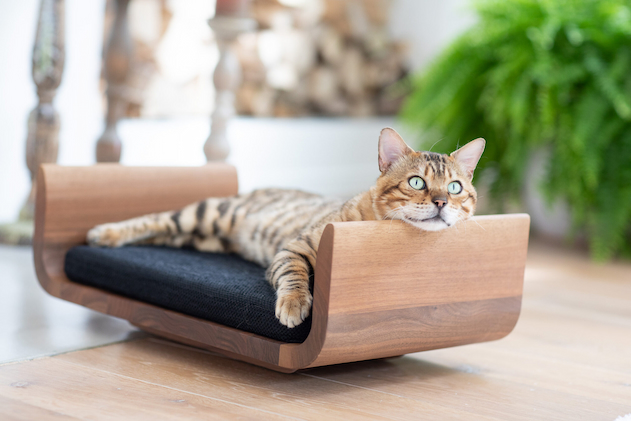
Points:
(381, 288)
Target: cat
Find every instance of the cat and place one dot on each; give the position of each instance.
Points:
(281, 229)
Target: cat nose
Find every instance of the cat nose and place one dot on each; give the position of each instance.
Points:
(440, 202)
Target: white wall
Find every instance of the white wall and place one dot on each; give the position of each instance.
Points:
(16, 39)
(428, 24)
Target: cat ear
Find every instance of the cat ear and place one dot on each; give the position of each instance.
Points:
(391, 148)
(469, 155)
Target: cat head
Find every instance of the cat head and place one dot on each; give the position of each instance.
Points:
(428, 190)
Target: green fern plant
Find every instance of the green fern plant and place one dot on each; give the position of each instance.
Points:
(542, 73)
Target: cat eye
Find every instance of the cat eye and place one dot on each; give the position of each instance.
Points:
(454, 187)
(417, 183)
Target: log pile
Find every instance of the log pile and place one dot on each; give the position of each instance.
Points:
(323, 57)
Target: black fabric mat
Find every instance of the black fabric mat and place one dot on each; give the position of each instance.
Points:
(222, 288)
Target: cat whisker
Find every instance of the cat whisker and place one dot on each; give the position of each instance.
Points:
(457, 226)
(392, 213)
(435, 143)
(463, 217)
(388, 213)
(478, 224)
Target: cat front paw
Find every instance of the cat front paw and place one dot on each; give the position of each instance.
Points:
(108, 235)
(293, 307)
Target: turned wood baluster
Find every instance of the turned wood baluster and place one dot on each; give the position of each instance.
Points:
(117, 62)
(228, 23)
(42, 142)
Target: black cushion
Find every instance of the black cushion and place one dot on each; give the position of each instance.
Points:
(222, 288)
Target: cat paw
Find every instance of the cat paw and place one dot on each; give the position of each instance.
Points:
(108, 235)
(293, 308)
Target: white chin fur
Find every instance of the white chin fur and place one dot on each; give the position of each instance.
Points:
(429, 225)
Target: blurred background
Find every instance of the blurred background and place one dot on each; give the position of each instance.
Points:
(327, 69)
(304, 86)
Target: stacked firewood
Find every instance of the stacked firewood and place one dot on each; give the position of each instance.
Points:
(323, 57)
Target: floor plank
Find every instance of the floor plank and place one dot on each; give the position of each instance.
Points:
(15, 410)
(478, 390)
(95, 394)
(306, 397)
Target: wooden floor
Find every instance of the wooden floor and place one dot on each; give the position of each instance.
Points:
(569, 358)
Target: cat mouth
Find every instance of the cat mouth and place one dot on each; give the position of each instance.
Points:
(436, 218)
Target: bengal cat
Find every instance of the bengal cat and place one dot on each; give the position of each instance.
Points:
(281, 229)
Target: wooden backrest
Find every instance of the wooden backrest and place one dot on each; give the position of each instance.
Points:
(71, 200)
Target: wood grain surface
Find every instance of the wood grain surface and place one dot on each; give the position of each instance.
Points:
(183, 384)
(480, 259)
(395, 290)
(382, 288)
(17, 410)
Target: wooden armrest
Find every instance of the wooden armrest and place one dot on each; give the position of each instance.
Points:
(390, 289)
